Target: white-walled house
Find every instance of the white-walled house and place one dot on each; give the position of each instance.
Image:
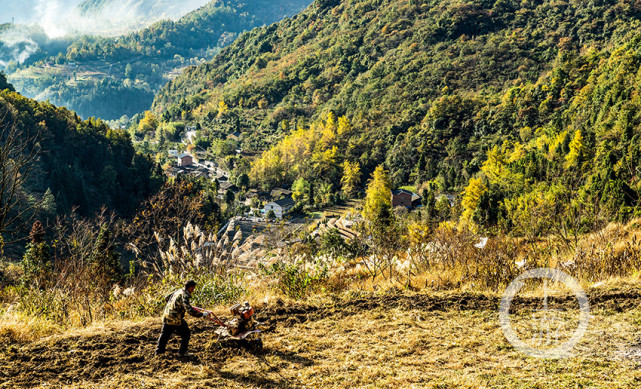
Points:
(280, 207)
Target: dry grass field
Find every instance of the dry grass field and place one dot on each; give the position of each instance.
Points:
(440, 340)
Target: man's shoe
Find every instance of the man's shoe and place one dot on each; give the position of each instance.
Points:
(185, 355)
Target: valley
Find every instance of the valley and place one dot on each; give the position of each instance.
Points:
(407, 193)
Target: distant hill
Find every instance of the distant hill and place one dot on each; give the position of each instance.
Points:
(528, 111)
(387, 65)
(112, 77)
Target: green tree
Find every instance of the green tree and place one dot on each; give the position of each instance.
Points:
(301, 190)
(243, 181)
(323, 195)
(105, 260)
(4, 84)
(48, 205)
(443, 208)
(429, 202)
(129, 73)
(229, 197)
(36, 263)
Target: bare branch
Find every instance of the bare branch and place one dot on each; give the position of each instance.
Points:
(19, 152)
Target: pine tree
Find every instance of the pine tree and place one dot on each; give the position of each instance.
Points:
(36, 263)
(105, 260)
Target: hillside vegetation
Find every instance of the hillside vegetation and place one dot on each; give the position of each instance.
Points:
(518, 123)
(429, 90)
(81, 165)
(110, 77)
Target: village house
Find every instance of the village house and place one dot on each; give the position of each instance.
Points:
(224, 186)
(449, 197)
(235, 136)
(280, 207)
(279, 192)
(404, 198)
(261, 195)
(185, 160)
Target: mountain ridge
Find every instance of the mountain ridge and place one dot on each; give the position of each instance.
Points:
(93, 71)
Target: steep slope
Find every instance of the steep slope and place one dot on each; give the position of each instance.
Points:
(81, 164)
(112, 77)
(568, 155)
(386, 65)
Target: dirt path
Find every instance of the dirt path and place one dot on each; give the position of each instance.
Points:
(97, 357)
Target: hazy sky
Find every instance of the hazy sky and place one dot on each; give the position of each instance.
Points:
(61, 17)
(31, 11)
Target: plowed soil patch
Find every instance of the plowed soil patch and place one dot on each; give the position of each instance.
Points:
(129, 349)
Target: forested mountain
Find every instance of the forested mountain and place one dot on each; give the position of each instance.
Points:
(570, 151)
(112, 77)
(435, 90)
(78, 164)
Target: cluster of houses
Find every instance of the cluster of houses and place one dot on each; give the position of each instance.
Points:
(279, 200)
(186, 164)
(282, 202)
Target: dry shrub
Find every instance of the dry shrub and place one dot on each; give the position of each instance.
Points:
(614, 251)
(77, 295)
(453, 251)
(198, 252)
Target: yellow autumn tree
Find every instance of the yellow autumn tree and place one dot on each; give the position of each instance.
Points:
(377, 208)
(577, 148)
(344, 126)
(148, 123)
(222, 109)
(471, 196)
(533, 213)
(351, 177)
